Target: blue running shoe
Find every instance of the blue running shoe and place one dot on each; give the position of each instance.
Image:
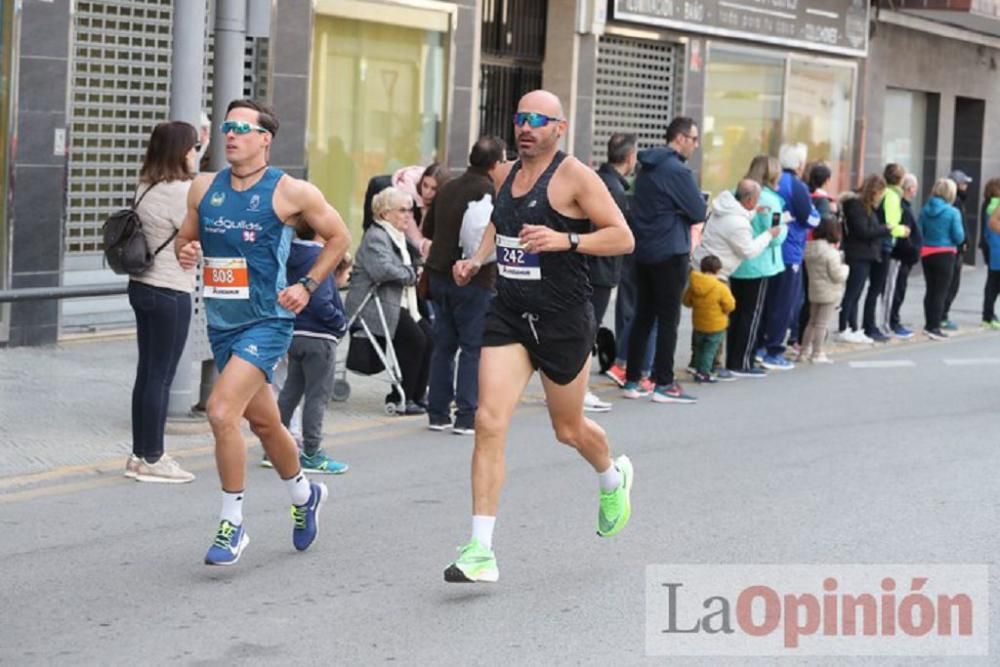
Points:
(777, 363)
(306, 517)
(899, 331)
(322, 464)
(230, 541)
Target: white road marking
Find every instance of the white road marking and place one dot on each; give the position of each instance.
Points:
(989, 361)
(894, 363)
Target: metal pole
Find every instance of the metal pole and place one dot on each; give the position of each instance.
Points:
(186, 75)
(230, 49)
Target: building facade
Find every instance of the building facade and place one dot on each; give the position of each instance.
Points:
(364, 87)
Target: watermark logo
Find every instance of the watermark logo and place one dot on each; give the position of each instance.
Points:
(814, 610)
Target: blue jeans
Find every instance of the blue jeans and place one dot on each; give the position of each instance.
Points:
(460, 315)
(625, 315)
(162, 317)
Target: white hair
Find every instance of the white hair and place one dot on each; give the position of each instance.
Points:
(909, 181)
(793, 156)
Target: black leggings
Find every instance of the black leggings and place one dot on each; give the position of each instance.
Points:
(162, 317)
(412, 343)
(745, 321)
(860, 268)
(938, 270)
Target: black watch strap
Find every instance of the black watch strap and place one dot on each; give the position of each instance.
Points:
(308, 283)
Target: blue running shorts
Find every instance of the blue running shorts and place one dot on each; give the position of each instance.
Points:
(262, 344)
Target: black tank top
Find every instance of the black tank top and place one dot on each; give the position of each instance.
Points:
(540, 283)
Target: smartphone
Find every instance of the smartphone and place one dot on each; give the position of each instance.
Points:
(775, 219)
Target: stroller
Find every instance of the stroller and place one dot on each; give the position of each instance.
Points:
(370, 355)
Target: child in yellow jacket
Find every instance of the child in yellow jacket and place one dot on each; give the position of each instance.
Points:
(711, 302)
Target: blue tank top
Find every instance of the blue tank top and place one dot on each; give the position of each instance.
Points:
(245, 246)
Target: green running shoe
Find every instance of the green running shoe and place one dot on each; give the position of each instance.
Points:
(475, 563)
(616, 506)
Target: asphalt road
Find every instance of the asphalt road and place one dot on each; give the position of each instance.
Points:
(839, 464)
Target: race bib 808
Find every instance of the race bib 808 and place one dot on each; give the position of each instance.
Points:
(226, 278)
(514, 262)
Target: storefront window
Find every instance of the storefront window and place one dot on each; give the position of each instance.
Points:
(743, 92)
(818, 111)
(752, 107)
(904, 127)
(377, 104)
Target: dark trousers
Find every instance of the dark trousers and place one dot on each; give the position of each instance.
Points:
(162, 317)
(625, 316)
(412, 343)
(458, 328)
(659, 290)
(937, 277)
(744, 322)
(860, 268)
(953, 285)
(799, 325)
(991, 291)
(782, 296)
(876, 285)
(311, 363)
(599, 299)
(899, 294)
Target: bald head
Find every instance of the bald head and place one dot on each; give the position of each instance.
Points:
(541, 101)
(747, 193)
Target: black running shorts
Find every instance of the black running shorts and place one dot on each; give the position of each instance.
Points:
(558, 344)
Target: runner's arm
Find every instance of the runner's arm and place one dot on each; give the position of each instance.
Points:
(612, 238)
(186, 244)
(328, 225)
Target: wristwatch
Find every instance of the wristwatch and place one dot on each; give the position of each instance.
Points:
(308, 283)
(574, 241)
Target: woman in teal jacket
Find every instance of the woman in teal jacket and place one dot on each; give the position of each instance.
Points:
(749, 281)
(943, 231)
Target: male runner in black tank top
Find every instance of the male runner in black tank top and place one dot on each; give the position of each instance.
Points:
(541, 318)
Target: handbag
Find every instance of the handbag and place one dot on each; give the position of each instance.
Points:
(362, 356)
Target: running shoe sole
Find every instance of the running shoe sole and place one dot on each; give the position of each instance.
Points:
(439, 427)
(161, 480)
(324, 471)
(454, 575)
(597, 408)
(665, 398)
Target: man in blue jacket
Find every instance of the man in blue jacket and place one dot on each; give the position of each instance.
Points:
(785, 289)
(667, 202)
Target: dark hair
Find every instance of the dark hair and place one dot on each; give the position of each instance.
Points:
(265, 117)
(991, 189)
(819, 174)
(434, 170)
(893, 173)
(829, 229)
(872, 186)
(166, 152)
(680, 125)
(711, 264)
(620, 146)
(487, 151)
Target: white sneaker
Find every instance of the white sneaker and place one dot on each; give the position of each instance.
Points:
(131, 466)
(863, 338)
(821, 359)
(591, 403)
(164, 471)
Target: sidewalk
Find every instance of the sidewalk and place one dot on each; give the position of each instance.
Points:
(69, 404)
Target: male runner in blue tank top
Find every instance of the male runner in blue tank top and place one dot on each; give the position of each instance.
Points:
(238, 219)
(541, 319)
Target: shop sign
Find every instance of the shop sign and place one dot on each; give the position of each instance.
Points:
(831, 26)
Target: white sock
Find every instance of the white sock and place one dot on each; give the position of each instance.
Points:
(232, 508)
(610, 479)
(482, 529)
(298, 488)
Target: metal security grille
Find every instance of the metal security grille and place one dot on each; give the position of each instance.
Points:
(514, 28)
(501, 86)
(638, 90)
(120, 91)
(121, 70)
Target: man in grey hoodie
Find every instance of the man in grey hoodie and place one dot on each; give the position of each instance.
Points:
(728, 233)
